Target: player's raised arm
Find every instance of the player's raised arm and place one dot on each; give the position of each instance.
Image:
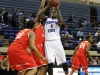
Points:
(59, 15)
(33, 47)
(41, 13)
(41, 7)
(88, 53)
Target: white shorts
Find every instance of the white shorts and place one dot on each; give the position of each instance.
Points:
(54, 50)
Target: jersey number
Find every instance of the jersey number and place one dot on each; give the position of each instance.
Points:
(82, 46)
(51, 25)
(19, 35)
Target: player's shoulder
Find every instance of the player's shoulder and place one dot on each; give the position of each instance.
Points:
(31, 33)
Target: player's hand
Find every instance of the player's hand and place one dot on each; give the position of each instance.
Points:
(3, 68)
(92, 60)
(58, 5)
(45, 59)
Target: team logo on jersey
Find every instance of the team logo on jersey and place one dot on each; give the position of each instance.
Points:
(50, 22)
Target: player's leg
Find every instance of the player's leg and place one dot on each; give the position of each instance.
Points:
(50, 69)
(75, 64)
(42, 70)
(60, 59)
(50, 55)
(65, 68)
(32, 72)
(84, 64)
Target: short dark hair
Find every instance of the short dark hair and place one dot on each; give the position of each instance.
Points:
(88, 37)
(30, 24)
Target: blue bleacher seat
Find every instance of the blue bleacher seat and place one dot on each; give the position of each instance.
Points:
(6, 35)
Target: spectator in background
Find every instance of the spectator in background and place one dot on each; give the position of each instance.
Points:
(80, 34)
(17, 12)
(84, 21)
(68, 37)
(0, 16)
(23, 14)
(5, 66)
(97, 35)
(94, 23)
(98, 45)
(13, 22)
(20, 20)
(5, 18)
(96, 61)
(90, 34)
(31, 17)
(3, 11)
(80, 23)
(70, 19)
(1, 57)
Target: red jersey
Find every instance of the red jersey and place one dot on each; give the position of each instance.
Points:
(83, 46)
(22, 39)
(39, 31)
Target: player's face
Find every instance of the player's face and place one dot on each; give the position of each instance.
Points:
(54, 13)
(91, 39)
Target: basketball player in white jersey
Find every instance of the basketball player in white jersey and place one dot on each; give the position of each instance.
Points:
(53, 47)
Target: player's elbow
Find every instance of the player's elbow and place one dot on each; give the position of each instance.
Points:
(60, 23)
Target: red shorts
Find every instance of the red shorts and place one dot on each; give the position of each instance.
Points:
(20, 59)
(80, 59)
(39, 62)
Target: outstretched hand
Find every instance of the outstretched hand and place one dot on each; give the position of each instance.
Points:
(58, 5)
(45, 59)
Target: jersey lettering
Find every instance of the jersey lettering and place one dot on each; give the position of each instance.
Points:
(51, 30)
(19, 35)
(82, 46)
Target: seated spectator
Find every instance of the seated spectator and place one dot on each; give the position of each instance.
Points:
(80, 23)
(98, 45)
(1, 57)
(17, 12)
(97, 35)
(67, 38)
(31, 17)
(13, 22)
(0, 16)
(94, 23)
(79, 41)
(5, 18)
(84, 21)
(70, 19)
(80, 34)
(20, 20)
(90, 34)
(5, 66)
(96, 61)
(63, 39)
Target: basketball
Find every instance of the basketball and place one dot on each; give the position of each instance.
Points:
(53, 3)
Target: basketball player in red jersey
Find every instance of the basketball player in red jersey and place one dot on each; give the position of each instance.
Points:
(39, 31)
(80, 56)
(18, 57)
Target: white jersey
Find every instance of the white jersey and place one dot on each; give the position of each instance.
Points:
(52, 29)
